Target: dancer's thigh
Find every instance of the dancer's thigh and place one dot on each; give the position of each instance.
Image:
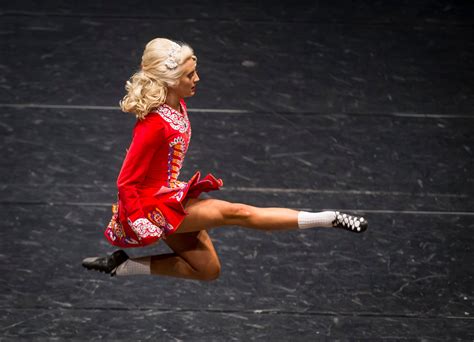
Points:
(203, 214)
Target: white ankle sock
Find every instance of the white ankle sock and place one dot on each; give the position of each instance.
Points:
(134, 267)
(313, 220)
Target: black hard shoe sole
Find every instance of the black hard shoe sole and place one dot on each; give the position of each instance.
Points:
(107, 264)
(355, 224)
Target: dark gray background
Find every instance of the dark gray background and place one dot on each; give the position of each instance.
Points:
(357, 105)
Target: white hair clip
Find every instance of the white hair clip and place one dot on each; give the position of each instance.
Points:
(172, 61)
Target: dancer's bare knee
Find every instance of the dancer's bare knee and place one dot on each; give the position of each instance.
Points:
(210, 271)
(237, 212)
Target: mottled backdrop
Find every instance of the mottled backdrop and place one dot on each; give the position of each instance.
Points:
(365, 106)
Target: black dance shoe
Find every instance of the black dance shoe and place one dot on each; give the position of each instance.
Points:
(107, 264)
(354, 224)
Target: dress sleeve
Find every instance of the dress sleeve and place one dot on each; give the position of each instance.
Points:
(147, 138)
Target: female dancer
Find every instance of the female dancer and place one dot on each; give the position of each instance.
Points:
(153, 204)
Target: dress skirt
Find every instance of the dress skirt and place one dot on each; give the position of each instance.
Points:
(164, 208)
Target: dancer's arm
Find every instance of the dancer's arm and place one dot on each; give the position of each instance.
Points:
(147, 138)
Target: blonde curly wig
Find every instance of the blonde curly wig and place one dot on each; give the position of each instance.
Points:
(147, 89)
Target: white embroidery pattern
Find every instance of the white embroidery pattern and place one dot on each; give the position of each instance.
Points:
(179, 195)
(180, 144)
(176, 120)
(144, 228)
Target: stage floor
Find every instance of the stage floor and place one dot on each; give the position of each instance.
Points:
(365, 107)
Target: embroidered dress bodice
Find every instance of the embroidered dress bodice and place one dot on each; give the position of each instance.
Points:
(178, 142)
(155, 157)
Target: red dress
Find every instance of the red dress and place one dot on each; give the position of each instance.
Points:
(148, 185)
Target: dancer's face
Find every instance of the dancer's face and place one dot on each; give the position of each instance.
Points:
(186, 86)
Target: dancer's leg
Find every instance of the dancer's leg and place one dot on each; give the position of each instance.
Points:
(211, 213)
(194, 257)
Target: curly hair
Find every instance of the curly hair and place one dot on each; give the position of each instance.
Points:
(147, 89)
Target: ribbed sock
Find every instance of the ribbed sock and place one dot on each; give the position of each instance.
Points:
(313, 220)
(134, 267)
